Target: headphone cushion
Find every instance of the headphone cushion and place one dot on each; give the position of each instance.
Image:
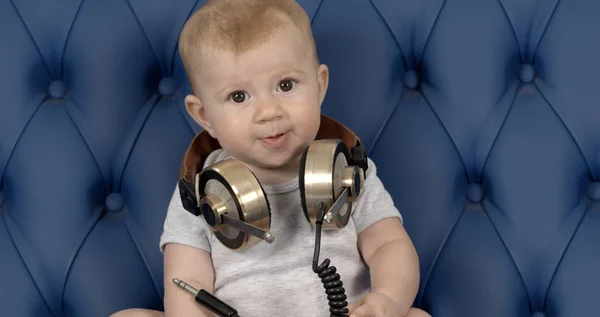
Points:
(301, 183)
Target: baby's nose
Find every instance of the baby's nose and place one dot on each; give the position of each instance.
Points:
(268, 110)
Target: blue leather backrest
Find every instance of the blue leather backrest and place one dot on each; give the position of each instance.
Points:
(482, 115)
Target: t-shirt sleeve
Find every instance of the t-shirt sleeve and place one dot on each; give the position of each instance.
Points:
(374, 203)
(182, 227)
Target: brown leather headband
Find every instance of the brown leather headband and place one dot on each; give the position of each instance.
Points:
(203, 144)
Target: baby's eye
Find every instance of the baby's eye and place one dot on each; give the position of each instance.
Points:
(286, 85)
(238, 96)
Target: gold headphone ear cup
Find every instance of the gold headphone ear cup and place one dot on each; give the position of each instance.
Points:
(229, 187)
(321, 180)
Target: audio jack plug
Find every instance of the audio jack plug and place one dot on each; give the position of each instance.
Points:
(207, 300)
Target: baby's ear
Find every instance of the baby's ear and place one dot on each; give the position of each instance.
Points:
(323, 79)
(197, 111)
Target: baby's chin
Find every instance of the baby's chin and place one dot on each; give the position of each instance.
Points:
(287, 162)
(278, 163)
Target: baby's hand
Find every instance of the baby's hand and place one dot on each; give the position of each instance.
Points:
(375, 305)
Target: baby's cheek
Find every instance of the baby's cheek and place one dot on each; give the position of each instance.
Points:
(311, 127)
(233, 141)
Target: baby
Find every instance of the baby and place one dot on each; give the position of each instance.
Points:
(258, 88)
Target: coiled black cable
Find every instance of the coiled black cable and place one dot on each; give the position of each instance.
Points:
(336, 294)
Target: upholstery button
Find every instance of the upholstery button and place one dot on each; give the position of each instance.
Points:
(538, 314)
(594, 191)
(114, 202)
(411, 79)
(167, 86)
(526, 73)
(475, 193)
(57, 89)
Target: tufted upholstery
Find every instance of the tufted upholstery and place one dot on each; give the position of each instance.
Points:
(482, 116)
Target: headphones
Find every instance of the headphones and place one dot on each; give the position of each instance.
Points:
(233, 203)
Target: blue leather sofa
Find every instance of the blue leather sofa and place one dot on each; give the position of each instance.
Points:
(482, 115)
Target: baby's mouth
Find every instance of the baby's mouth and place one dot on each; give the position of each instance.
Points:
(274, 137)
(275, 140)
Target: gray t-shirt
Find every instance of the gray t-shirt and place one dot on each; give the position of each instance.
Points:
(277, 279)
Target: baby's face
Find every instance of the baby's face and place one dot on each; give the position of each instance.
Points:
(263, 105)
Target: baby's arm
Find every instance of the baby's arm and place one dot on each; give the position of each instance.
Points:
(185, 243)
(193, 266)
(384, 244)
(392, 260)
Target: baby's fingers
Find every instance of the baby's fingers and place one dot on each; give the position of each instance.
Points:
(354, 306)
(362, 311)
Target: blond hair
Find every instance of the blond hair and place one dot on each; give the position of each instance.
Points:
(238, 26)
